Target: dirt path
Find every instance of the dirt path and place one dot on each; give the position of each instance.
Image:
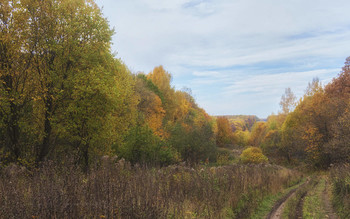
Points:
(324, 194)
(277, 209)
(327, 203)
(299, 210)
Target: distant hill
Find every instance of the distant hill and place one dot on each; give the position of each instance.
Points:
(241, 122)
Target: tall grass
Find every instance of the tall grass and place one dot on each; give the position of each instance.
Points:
(340, 177)
(117, 190)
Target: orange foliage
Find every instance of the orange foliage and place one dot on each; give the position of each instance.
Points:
(155, 115)
(224, 132)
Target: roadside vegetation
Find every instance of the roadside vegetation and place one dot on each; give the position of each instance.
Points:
(340, 179)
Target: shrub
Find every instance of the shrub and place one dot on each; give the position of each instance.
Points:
(143, 146)
(223, 159)
(253, 155)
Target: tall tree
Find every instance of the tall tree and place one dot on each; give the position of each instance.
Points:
(287, 102)
(224, 133)
(55, 65)
(162, 79)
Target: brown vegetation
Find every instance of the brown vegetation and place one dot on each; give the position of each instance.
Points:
(340, 178)
(116, 190)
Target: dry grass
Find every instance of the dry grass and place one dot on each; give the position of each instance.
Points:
(340, 178)
(116, 190)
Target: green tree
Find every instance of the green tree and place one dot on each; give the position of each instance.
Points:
(143, 146)
(60, 84)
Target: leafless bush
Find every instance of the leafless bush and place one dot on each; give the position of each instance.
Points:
(117, 190)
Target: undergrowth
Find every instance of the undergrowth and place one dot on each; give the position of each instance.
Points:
(340, 178)
(117, 190)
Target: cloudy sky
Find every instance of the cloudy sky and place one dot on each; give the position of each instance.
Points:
(237, 56)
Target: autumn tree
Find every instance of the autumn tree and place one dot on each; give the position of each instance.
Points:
(257, 134)
(17, 82)
(194, 138)
(339, 146)
(144, 147)
(287, 102)
(162, 79)
(150, 104)
(271, 141)
(224, 133)
(338, 93)
(311, 133)
(59, 81)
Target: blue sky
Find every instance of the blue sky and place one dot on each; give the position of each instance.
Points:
(237, 56)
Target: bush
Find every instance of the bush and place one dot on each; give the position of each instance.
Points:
(253, 155)
(143, 146)
(223, 159)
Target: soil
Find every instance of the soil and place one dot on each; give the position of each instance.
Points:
(299, 210)
(277, 209)
(327, 203)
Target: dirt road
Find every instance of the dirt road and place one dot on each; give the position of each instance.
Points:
(277, 209)
(311, 190)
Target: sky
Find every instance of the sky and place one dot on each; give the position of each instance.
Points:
(237, 56)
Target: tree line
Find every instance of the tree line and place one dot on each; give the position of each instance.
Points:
(315, 130)
(64, 94)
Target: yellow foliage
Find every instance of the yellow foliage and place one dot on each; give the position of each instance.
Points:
(155, 115)
(183, 105)
(224, 132)
(253, 155)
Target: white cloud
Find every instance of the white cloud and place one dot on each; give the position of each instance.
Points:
(207, 73)
(256, 94)
(201, 42)
(263, 84)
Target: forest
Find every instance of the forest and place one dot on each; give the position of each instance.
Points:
(82, 136)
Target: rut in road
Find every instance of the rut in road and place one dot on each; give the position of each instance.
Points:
(327, 203)
(277, 210)
(299, 209)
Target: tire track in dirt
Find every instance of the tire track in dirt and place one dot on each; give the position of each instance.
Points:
(327, 203)
(299, 209)
(277, 209)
